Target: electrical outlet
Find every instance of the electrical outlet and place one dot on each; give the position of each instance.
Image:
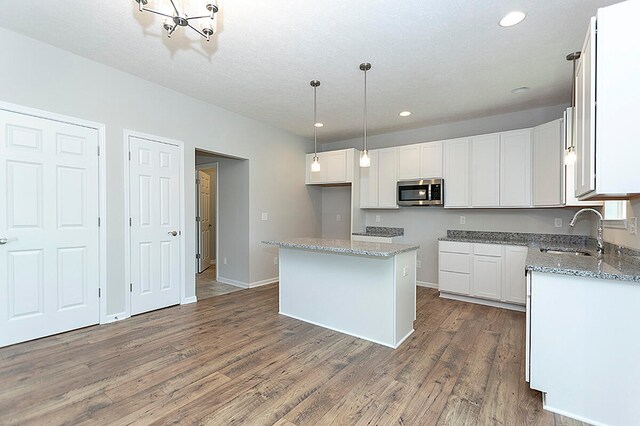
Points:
(418, 264)
(378, 218)
(405, 271)
(265, 216)
(463, 220)
(558, 222)
(224, 260)
(337, 218)
(275, 260)
(633, 225)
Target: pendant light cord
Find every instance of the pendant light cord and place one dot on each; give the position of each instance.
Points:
(365, 110)
(315, 120)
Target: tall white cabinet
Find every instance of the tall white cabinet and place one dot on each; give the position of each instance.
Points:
(456, 172)
(485, 170)
(515, 168)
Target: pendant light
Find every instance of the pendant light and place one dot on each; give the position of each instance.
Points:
(570, 156)
(365, 161)
(315, 164)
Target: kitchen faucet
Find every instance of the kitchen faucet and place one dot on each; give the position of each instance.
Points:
(600, 230)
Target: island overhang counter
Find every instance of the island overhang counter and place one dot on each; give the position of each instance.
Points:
(367, 290)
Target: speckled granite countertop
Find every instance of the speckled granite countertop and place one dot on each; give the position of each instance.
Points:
(345, 246)
(618, 263)
(381, 231)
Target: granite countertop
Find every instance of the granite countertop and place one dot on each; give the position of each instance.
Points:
(381, 231)
(345, 246)
(618, 263)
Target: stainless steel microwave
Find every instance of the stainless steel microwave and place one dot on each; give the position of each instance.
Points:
(424, 192)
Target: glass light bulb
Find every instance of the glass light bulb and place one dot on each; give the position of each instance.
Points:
(315, 165)
(365, 161)
(570, 156)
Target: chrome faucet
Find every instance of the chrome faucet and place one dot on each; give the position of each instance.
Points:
(600, 230)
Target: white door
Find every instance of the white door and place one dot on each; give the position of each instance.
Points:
(431, 160)
(485, 171)
(487, 277)
(204, 220)
(154, 200)
(409, 162)
(456, 173)
(387, 177)
(49, 267)
(515, 168)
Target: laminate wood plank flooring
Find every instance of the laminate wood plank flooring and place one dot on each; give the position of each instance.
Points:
(207, 286)
(232, 359)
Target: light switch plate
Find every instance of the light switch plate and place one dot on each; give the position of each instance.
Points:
(405, 271)
(633, 225)
(558, 222)
(337, 218)
(377, 218)
(265, 216)
(463, 220)
(224, 260)
(275, 260)
(418, 264)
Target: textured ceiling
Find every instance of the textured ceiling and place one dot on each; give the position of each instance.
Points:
(442, 60)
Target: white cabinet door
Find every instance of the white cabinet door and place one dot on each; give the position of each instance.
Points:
(585, 116)
(548, 164)
(387, 177)
(369, 182)
(431, 160)
(154, 193)
(487, 277)
(409, 162)
(49, 265)
(336, 164)
(204, 222)
(515, 168)
(514, 278)
(485, 171)
(456, 173)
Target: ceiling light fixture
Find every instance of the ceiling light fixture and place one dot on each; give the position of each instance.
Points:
(512, 18)
(405, 113)
(519, 90)
(180, 19)
(365, 161)
(315, 164)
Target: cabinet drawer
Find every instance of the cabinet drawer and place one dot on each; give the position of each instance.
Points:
(455, 262)
(494, 250)
(452, 282)
(455, 247)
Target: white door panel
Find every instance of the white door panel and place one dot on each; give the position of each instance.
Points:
(49, 268)
(154, 192)
(205, 221)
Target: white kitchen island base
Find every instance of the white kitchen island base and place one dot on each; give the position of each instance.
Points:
(370, 297)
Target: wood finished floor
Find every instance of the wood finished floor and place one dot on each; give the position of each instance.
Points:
(232, 359)
(207, 286)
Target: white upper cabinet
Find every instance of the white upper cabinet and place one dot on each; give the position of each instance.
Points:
(456, 173)
(420, 161)
(548, 164)
(607, 94)
(485, 171)
(335, 167)
(409, 162)
(387, 177)
(515, 168)
(431, 160)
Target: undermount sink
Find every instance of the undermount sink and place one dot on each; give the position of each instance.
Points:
(573, 252)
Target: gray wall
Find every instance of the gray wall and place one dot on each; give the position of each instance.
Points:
(336, 201)
(37, 75)
(622, 236)
(425, 225)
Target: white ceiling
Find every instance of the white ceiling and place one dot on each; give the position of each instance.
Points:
(443, 60)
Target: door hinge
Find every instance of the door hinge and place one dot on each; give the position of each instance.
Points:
(99, 292)
(131, 287)
(197, 218)
(129, 155)
(129, 221)
(198, 256)
(197, 181)
(98, 222)
(98, 150)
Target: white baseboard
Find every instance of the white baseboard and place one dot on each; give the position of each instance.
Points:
(114, 317)
(235, 283)
(192, 299)
(264, 282)
(493, 303)
(426, 284)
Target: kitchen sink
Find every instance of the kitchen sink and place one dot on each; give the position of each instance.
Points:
(573, 252)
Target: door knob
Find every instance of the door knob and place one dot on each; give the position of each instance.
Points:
(3, 240)
(174, 233)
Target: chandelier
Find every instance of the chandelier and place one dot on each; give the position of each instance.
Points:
(180, 19)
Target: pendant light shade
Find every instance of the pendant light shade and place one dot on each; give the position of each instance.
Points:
(315, 164)
(365, 160)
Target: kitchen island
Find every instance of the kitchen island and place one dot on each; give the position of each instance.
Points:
(363, 289)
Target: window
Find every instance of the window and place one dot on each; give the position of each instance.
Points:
(615, 214)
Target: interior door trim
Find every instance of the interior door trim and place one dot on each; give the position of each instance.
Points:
(102, 188)
(127, 134)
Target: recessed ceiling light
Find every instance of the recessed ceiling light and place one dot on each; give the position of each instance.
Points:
(512, 18)
(519, 90)
(318, 124)
(405, 113)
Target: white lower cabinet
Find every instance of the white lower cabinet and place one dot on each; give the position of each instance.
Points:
(485, 273)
